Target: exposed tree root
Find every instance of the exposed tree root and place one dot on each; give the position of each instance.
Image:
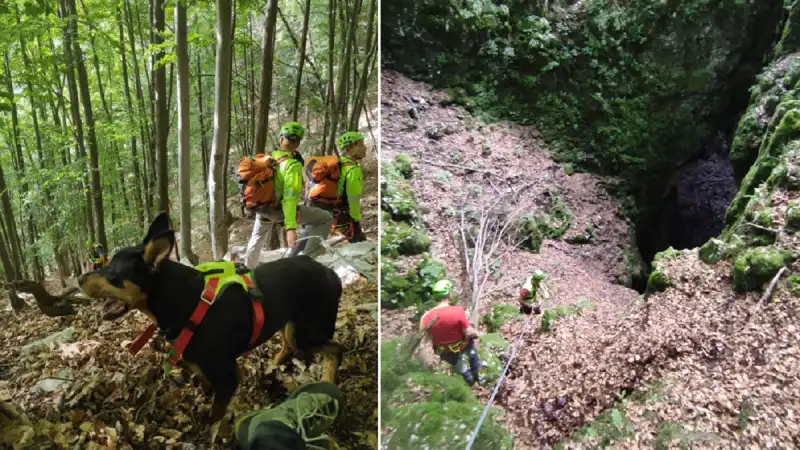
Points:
(50, 305)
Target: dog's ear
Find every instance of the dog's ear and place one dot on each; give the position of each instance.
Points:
(159, 227)
(158, 249)
(159, 240)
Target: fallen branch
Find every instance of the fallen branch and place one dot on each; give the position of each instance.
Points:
(771, 288)
(767, 294)
(51, 305)
(774, 231)
(456, 166)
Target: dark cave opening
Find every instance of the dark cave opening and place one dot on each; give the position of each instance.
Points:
(693, 209)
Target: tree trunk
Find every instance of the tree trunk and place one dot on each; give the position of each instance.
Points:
(297, 83)
(330, 127)
(219, 235)
(372, 49)
(137, 204)
(8, 272)
(144, 128)
(161, 116)
(86, 101)
(203, 142)
(11, 228)
(230, 117)
(37, 271)
(265, 84)
(38, 136)
(184, 161)
(77, 122)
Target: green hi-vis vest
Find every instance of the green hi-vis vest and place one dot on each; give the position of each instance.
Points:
(218, 274)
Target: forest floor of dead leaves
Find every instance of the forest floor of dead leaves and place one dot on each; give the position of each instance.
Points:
(695, 366)
(116, 400)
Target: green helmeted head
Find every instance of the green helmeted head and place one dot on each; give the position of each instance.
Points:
(348, 139)
(293, 131)
(442, 288)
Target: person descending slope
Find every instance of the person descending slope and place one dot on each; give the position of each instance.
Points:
(452, 335)
(281, 204)
(527, 296)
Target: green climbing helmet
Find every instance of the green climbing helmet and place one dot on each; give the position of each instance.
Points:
(88, 243)
(349, 138)
(293, 131)
(538, 275)
(442, 288)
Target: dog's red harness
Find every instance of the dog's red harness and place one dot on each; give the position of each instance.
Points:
(210, 292)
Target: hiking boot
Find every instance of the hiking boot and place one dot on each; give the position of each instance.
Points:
(309, 411)
(537, 309)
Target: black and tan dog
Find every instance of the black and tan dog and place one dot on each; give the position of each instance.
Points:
(298, 295)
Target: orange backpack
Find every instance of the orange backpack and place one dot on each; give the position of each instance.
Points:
(323, 174)
(256, 177)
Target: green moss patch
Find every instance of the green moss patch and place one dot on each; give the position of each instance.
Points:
(756, 266)
(550, 315)
(433, 410)
(500, 314)
(657, 282)
(793, 217)
(793, 283)
(400, 238)
(443, 425)
(410, 289)
(403, 163)
(396, 196)
(493, 351)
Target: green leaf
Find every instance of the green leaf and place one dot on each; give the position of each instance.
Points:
(616, 418)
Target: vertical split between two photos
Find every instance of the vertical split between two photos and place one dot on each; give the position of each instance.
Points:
(405, 224)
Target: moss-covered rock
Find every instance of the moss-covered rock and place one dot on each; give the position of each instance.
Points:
(493, 352)
(584, 238)
(404, 166)
(410, 289)
(769, 157)
(428, 410)
(500, 314)
(657, 282)
(400, 238)
(712, 251)
(441, 425)
(396, 196)
(529, 232)
(793, 217)
(754, 267)
(432, 387)
(666, 255)
(790, 38)
(793, 283)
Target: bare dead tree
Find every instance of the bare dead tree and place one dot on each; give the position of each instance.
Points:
(488, 233)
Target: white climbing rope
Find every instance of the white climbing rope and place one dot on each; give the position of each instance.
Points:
(499, 383)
